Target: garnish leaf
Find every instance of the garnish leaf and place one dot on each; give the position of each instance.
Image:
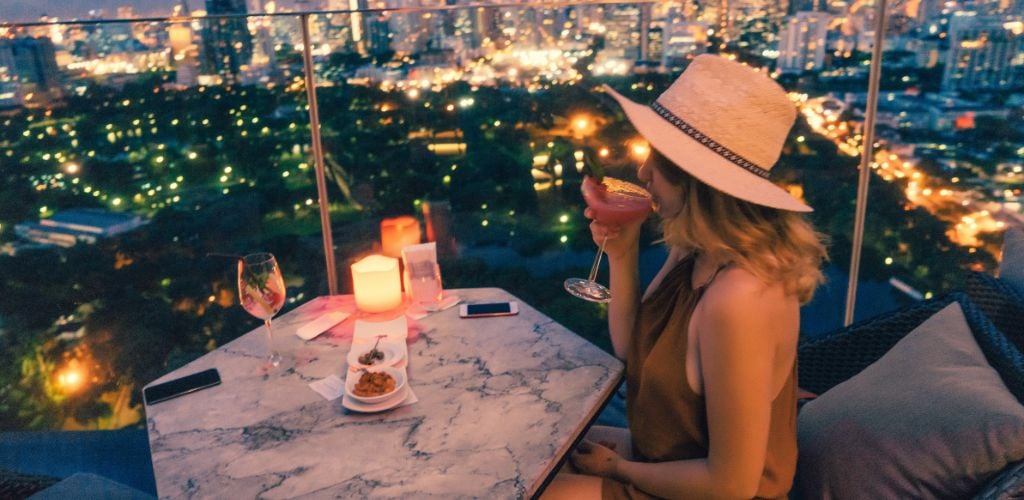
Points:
(592, 167)
(257, 280)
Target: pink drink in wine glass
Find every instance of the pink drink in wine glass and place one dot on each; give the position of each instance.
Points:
(614, 202)
(265, 303)
(261, 292)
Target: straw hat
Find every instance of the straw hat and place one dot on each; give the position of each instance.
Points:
(725, 124)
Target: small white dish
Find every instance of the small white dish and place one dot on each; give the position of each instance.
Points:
(400, 396)
(353, 378)
(391, 355)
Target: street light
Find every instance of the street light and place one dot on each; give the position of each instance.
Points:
(639, 149)
(581, 123)
(71, 378)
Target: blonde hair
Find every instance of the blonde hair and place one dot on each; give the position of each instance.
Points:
(776, 246)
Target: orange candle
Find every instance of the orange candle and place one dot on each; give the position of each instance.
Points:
(397, 233)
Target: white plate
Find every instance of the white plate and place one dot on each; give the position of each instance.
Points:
(399, 398)
(353, 377)
(391, 352)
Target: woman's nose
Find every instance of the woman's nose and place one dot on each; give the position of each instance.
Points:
(643, 173)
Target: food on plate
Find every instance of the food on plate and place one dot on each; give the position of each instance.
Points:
(372, 356)
(374, 384)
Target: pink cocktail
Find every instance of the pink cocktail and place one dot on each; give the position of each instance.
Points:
(614, 202)
(265, 302)
(261, 292)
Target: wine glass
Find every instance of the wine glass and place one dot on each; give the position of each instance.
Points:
(614, 202)
(261, 292)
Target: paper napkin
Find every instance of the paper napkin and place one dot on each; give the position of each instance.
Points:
(321, 324)
(330, 387)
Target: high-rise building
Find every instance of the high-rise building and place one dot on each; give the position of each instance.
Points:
(31, 63)
(984, 54)
(378, 34)
(802, 42)
(796, 6)
(227, 43)
(928, 11)
(184, 54)
(622, 40)
(485, 25)
(682, 41)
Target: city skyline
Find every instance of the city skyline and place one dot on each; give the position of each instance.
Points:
(24, 11)
(196, 139)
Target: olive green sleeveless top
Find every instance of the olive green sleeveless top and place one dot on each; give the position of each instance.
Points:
(667, 420)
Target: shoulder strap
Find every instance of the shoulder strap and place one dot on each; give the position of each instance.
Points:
(712, 277)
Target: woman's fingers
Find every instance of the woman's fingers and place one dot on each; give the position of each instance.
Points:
(601, 231)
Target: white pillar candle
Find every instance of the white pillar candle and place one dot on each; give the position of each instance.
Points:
(376, 284)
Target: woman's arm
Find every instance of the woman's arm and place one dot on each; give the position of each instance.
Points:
(624, 283)
(741, 329)
(622, 248)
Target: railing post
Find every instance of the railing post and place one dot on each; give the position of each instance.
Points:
(866, 156)
(318, 156)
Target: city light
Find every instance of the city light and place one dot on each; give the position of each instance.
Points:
(131, 100)
(639, 149)
(581, 123)
(72, 377)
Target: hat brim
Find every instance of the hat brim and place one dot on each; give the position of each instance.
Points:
(704, 164)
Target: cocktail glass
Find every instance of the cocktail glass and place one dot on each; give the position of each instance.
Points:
(261, 292)
(614, 202)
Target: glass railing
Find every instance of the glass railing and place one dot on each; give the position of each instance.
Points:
(133, 149)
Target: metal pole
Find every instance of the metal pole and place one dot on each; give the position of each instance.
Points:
(866, 156)
(318, 157)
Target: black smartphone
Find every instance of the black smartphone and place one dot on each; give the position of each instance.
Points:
(181, 386)
(489, 309)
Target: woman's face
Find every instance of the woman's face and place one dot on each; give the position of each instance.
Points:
(668, 197)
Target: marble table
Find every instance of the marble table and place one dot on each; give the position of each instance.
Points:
(501, 401)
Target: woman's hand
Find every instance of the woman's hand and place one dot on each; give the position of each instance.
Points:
(596, 459)
(620, 239)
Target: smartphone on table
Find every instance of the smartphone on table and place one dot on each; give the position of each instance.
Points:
(181, 386)
(488, 309)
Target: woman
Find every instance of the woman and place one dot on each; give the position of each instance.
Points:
(710, 347)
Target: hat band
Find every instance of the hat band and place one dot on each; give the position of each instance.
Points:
(708, 142)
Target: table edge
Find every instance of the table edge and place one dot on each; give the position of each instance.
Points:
(549, 474)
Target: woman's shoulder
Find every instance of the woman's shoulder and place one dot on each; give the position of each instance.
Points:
(737, 294)
(737, 282)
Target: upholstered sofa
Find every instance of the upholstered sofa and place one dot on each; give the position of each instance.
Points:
(922, 402)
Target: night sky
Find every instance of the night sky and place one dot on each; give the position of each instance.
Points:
(30, 10)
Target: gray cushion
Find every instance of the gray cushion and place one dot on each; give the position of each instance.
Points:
(83, 486)
(1011, 267)
(930, 419)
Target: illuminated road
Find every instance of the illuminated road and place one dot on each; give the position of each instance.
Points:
(963, 207)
